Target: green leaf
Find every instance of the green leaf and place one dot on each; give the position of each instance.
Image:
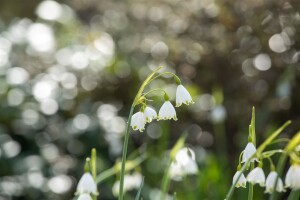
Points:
(295, 141)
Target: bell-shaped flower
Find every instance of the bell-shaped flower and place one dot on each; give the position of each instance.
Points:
(292, 178)
(249, 152)
(85, 196)
(131, 181)
(150, 114)
(184, 164)
(183, 96)
(257, 175)
(241, 182)
(270, 183)
(167, 111)
(87, 184)
(138, 121)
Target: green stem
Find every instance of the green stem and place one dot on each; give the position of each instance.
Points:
(294, 195)
(165, 181)
(161, 74)
(125, 153)
(140, 190)
(253, 139)
(94, 167)
(154, 90)
(94, 163)
(250, 191)
(270, 153)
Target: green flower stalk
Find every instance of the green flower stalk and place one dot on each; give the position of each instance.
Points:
(252, 139)
(146, 114)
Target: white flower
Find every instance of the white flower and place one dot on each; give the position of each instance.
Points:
(87, 184)
(242, 180)
(248, 152)
(184, 164)
(270, 183)
(150, 114)
(84, 196)
(292, 178)
(167, 111)
(130, 182)
(183, 96)
(257, 175)
(138, 121)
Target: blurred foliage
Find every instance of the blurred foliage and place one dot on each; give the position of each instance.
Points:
(69, 71)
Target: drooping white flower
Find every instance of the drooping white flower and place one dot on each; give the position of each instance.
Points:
(242, 180)
(84, 196)
(183, 96)
(138, 121)
(86, 184)
(257, 175)
(131, 181)
(270, 183)
(184, 164)
(292, 178)
(248, 152)
(167, 111)
(150, 114)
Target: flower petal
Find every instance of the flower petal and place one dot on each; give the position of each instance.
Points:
(138, 121)
(87, 184)
(183, 96)
(248, 152)
(167, 111)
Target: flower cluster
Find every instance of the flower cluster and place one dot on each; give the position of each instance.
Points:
(257, 175)
(86, 186)
(166, 112)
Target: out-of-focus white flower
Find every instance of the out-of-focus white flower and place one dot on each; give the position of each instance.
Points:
(167, 111)
(87, 184)
(138, 121)
(292, 178)
(150, 114)
(155, 194)
(248, 152)
(183, 96)
(130, 182)
(257, 175)
(270, 183)
(184, 164)
(242, 180)
(84, 196)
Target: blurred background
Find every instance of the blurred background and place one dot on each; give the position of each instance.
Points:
(69, 71)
